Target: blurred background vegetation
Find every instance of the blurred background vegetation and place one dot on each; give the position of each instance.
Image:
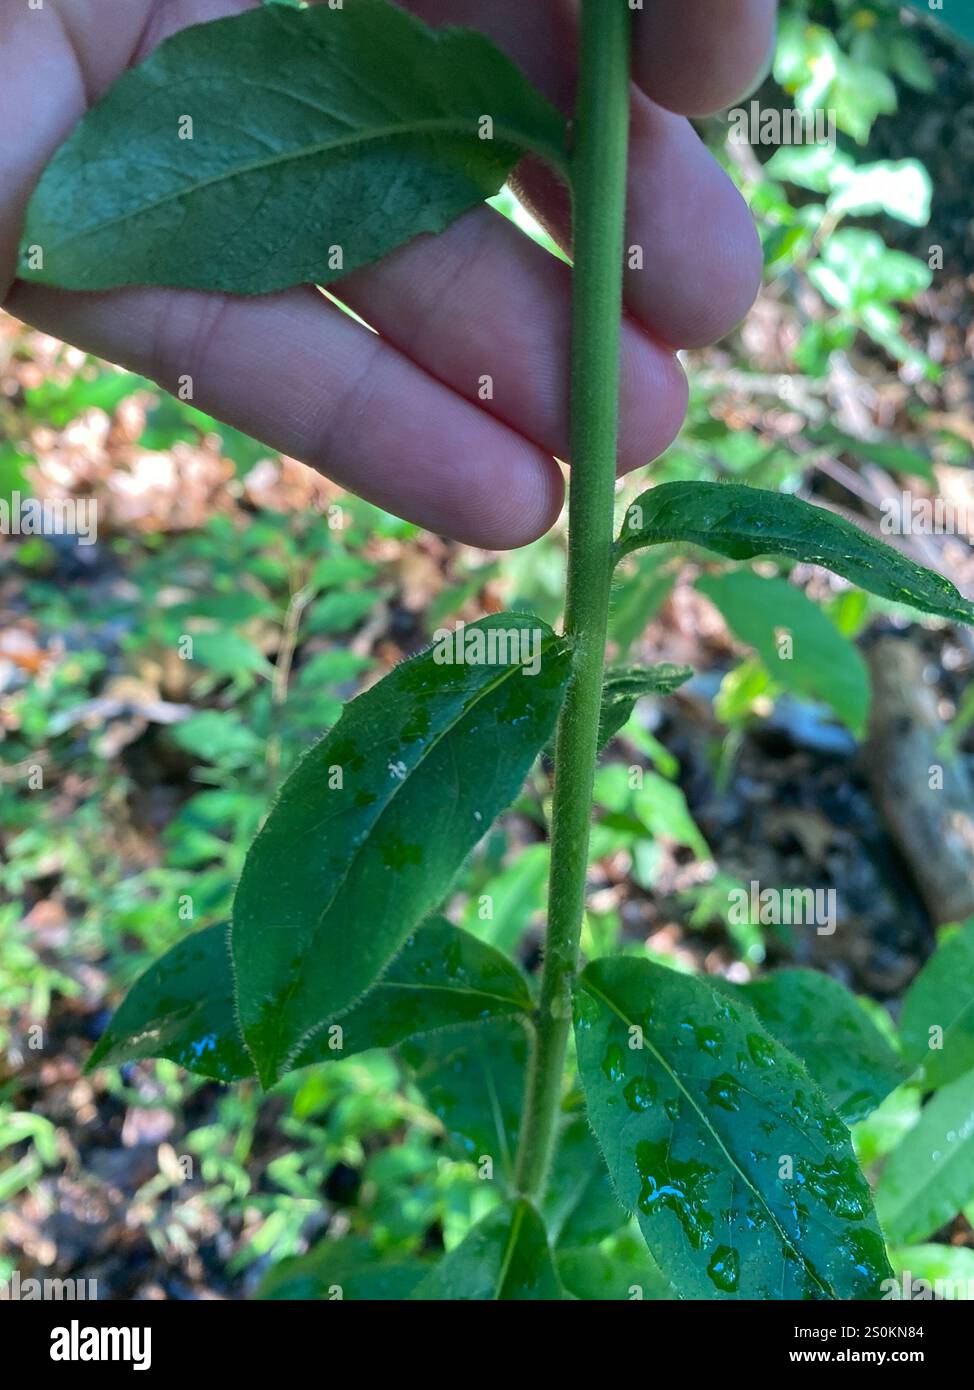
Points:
(851, 382)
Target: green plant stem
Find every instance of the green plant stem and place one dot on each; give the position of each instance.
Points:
(599, 164)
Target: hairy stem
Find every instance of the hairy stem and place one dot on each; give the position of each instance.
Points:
(599, 187)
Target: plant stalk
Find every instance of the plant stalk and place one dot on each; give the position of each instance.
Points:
(599, 163)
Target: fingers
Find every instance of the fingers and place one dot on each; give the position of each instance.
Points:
(700, 254)
(488, 312)
(301, 375)
(698, 56)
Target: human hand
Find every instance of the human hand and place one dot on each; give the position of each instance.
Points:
(397, 417)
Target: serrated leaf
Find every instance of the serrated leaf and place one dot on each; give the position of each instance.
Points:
(182, 1006)
(744, 523)
(937, 1020)
(374, 823)
(828, 1029)
(314, 132)
(472, 1079)
(929, 1176)
(818, 662)
(742, 1179)
(348, 1270)
(505, 1256)
(624, 685)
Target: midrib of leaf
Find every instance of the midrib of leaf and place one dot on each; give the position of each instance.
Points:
(785, 1238)
(442, 125)
(508, 1256)
(451, 989)
(481, 695)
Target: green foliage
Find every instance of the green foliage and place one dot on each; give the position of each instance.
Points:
(340, 872)
(183, 1006)
(373, 101)
(937, 1022)
(799, 646)
(719, 1113)
(929, 1176)
(624, 685)
(744, 523)
(824, 1025)
(505, 1256)
(742, 1178)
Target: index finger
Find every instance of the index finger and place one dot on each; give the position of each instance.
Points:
(698, 56)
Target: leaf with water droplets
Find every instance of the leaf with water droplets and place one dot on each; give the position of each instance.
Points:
(505, 1256)
(372, 826)
(745, 522)
(743, 1181)
(929, 1176)
(282, 146)
(182, 1007)
(624, 685)
(937, 1022)
(822, 1023)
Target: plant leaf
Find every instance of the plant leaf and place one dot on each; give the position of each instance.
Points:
(698, 1124)
(505, 1256)
(947, 1269)
(472, 1079)
(347, 1269)
(818, 663)
(314, 132)
(373, 824)
(624, 1272)
(624, 685)
(930, 1175)
(822, 1023)
(942, 997)
(182, 1006)
(745, 522)
(580, 1207)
